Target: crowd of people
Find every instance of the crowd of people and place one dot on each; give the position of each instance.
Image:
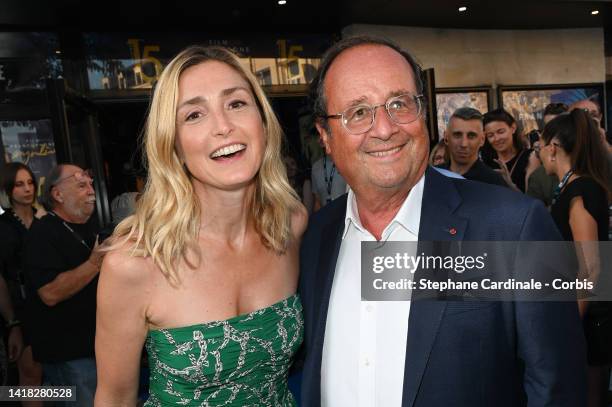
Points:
(215, 268)
(567, 167)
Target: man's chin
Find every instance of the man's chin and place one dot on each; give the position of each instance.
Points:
(88, 211)
(464, 161)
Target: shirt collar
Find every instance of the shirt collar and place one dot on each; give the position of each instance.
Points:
(408, 216)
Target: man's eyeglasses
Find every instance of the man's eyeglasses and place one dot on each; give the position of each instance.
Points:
(402, 109)
(79, 176)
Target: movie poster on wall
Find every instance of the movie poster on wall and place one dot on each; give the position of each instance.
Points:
(449, 100)
(29, 142)
(527, 103)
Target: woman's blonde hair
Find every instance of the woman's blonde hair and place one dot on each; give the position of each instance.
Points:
(166, 224)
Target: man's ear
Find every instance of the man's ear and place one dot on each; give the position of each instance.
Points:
(482, 140)
(324, 136)
(445, 136)
(57, 195)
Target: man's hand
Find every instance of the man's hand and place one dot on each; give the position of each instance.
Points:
(97, 255)
(503, 170)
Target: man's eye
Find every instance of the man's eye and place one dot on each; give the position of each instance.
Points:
(398, 105)
(357, 114)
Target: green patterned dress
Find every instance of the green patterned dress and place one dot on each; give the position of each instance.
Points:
(242, 361)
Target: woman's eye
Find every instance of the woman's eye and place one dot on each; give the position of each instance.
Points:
(237, 104)
(193, 116)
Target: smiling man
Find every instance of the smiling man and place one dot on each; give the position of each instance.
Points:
(61, 269)
(420, 353)
(464, 136)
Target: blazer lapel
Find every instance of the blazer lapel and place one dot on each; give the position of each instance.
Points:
(326, 268)
(438, 223)
(440, 200)
(330, 240)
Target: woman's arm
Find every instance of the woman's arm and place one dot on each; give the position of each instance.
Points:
(584, 230)
(533, 164)
(15, 339)
(121, 328)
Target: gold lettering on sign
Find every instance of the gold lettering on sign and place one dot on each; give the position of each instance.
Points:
(144, 57)
(25, 156)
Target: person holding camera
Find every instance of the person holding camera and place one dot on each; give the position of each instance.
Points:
(61, 267)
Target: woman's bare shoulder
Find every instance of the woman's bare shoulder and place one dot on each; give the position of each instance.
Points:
(299, 221)
(123, 265)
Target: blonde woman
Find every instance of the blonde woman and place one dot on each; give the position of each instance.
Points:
(205, 273)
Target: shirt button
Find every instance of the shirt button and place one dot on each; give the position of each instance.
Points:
(369, 307)
(366, 362)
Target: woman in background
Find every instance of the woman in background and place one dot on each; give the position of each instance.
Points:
(438, 155)
(571, 148)
(20, 186)
(206, 270)
(503, 149)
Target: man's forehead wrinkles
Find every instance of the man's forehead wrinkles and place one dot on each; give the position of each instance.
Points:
(358, 101)
(365, 99)
(70, 170)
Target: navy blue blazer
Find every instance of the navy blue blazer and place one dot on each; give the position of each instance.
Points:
(460, 353)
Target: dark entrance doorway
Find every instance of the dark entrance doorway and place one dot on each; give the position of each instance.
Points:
(121, 129)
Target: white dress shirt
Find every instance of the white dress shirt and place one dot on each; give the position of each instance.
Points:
(365, 341)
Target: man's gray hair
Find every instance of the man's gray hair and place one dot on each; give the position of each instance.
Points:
(467, 113)
(46, 200)
(317, 86)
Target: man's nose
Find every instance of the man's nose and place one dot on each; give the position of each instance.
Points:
(383, 127)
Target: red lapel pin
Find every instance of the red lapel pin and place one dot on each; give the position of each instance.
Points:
(452, 231)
